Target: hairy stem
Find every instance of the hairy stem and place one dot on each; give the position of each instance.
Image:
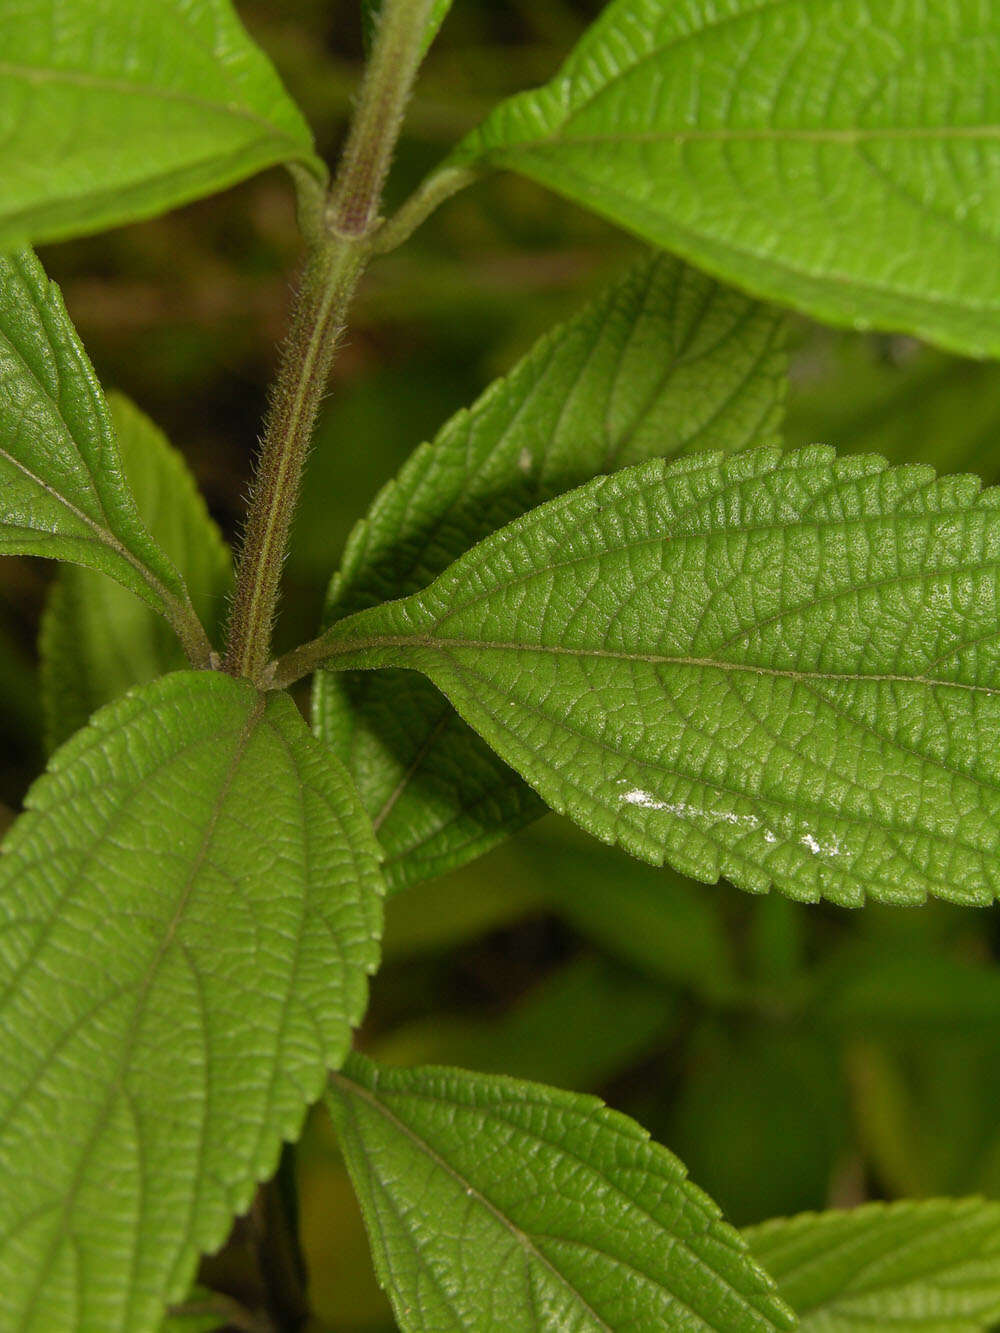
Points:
(438, 187)
(354, 202)
(317, 322)
(337, 259)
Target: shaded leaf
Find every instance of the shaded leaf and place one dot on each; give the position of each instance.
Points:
(844, 160)
(781, 669)
(63, 491)
(663, 363)
(97, 640)
(116, 111)
(572, 1219)
(927, 1267)
(188, 913)
(583, 1024)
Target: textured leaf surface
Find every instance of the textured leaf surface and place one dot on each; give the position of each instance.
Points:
(371, 9)
(188, 913)
(663, 363)
(493, 1203)
(113, 110)
(97, 640)
(841, 157)
(928, 1267)
(63, 491)
(781, 669)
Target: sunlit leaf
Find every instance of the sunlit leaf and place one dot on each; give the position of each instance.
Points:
(778, 668)
(114, 110)
(843, 159)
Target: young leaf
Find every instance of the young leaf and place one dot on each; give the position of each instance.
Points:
(781, 669)
(188, 913)
(663, 363)
(372, 9)
(117, 111)
(63, 492)
(844, 161)
(97, 640)
(495, 1203)
(927, 1267)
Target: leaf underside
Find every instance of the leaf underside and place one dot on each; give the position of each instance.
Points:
(189, 910)
(173, 101)
(494, 1203)
(97, 640)
(781, 669)
(840, 158)
(917, 1267)
(63, 491)
(665, 362)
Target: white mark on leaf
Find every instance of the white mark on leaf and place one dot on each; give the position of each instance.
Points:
(525, 460)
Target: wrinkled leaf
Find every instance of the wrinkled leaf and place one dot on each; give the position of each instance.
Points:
(495, 1203)
(97, 640)
(663, 363)
(188, 913)
(927, 1267)
(113, 111)
(842, 159)
(781, 669)
(63, 490)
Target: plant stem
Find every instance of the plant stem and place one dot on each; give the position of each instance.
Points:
(438, 187)
(335, 265)
(184, 622)
(324, 295)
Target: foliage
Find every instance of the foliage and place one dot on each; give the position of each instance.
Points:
(607, 588)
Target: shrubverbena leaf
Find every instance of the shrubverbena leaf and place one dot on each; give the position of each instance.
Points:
(663, 363)
(117, 110)
(97, 640)
(63, 492)
(188, 913)
(781, 669)
(928, 1267)
(494, 1203)
(844, 159)
(371, 9)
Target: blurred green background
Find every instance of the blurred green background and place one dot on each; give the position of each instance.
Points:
(794, 1057)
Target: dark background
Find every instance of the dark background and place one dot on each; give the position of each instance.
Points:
(794, 1057)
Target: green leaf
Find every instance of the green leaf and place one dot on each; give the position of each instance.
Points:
(491, 1202)
(97, 640)
(188, 913)
(63, 492)
(781, 669)
(663, 363)
(371, 11)
(844, 161)
(116, 111)
(928, 1267)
